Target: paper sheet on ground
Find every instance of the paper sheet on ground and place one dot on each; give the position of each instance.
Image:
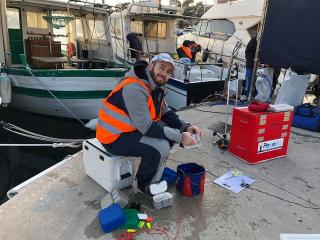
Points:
(233, 183)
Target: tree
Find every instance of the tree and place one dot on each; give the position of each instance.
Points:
(187, 3)
(176, 3)
(192, 10)
(199, 9)
(182, 23)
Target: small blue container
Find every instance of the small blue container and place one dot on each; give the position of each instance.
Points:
(169, 175)
(111, 218)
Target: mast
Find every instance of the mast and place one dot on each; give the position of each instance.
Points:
(4, 29)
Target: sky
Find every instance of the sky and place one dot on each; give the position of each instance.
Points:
(165, 2)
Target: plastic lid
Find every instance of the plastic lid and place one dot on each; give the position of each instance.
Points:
(159, 187)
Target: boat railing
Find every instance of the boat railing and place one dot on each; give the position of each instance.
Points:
(220, 68)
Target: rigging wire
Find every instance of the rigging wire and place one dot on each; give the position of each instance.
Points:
(57, 99)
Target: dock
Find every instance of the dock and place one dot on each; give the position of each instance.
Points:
(285, 198)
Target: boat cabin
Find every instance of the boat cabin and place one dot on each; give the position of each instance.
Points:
(154, 24)
(51, 34)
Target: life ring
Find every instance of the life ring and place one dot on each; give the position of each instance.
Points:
(71, 49)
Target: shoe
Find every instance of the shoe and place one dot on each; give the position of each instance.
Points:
(243, 98)
(145, 191)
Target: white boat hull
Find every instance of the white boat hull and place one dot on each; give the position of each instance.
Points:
(62, 96)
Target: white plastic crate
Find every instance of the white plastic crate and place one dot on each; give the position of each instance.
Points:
(109, 171)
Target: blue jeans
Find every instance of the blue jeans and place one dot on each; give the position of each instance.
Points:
(248, 81)
(153, 153)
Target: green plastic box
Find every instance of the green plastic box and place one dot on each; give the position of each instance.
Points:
(132, 219)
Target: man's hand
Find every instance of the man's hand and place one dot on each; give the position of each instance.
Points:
(194, 130)
(187, 139)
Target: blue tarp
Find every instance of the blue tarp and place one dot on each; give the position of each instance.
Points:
(291, 36)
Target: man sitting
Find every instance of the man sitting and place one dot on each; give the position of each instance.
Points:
(134, 119)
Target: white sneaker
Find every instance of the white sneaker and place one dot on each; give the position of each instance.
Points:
(243, 98)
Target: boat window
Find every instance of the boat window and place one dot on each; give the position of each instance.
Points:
(155, 29)
(97, 29)
(13, 18)
(35, 20)
(202, 29)
(79, 28)
(136, 26)
(217, 28)
(221, 29)
(116, 27)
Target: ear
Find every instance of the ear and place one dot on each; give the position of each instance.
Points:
(150, 66)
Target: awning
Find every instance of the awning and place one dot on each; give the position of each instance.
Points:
(291, 36)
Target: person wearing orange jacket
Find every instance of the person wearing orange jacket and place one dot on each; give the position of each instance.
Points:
(184, 51)
(134, 119)
(189, 49)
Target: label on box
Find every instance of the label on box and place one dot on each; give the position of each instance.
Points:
(271, 145)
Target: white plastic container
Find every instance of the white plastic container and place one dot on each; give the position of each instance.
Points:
(161, 198)
(109, 171)
(5, 90)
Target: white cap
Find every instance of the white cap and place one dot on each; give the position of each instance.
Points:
(164, 57)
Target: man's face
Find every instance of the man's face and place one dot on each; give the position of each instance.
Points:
(161, 72)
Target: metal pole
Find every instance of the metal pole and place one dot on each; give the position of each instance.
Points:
(5, 35)
(157, 42)
(228, 95)
(123, 33)
(256, 57)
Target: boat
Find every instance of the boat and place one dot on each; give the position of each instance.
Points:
(152, 20)
(58, 56)
(156, 26)
(222, 26)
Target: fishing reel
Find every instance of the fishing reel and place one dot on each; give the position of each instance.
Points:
(222, 142)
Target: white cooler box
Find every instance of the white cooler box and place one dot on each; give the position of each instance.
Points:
(109, 171)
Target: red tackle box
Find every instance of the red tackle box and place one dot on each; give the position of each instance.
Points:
(259, 136)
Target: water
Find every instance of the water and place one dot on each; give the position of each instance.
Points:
(18, 164)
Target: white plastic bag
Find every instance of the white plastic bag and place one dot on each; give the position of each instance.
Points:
(264, 84)
(292, 89)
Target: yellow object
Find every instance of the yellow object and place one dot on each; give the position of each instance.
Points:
(131, 230)
(141, 224)
(149, 225)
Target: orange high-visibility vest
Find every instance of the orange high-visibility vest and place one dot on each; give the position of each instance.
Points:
(113, 121)
(187, 51)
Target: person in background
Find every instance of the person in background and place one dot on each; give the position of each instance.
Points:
(189, 49)
(184, 51)
(195, 48)
(134, 119)
(250, 54)
(135, 45)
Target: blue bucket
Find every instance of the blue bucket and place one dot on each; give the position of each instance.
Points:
(191, 179)
(169, 175)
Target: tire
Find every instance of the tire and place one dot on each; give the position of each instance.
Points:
(4, 178)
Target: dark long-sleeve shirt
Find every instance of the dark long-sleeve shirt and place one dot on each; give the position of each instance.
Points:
(250, 52)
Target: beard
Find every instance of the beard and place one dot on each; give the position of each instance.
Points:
(155, 77)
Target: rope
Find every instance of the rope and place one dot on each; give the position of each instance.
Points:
(9, 127)
(57, 142)
(54, 145)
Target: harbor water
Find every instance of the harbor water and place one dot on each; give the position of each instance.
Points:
(19, 163)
